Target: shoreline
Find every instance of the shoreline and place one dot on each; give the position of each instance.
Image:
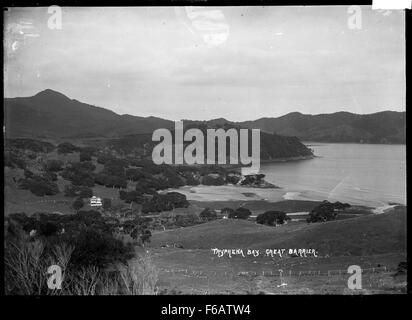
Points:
(264, 199)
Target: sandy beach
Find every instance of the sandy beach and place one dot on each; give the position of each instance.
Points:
(230, 193)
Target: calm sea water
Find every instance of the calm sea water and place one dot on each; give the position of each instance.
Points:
(364, 174)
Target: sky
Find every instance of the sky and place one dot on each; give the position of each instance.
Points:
(239, 63)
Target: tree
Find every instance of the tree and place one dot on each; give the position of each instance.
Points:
(131, 196)
(66, 147)
(50, 176)
(78, 191)
(186, 220)
(145, 236)
(213, 180)
(39, 186)
(141, 234)
(207, 214)
(85, 192)
(165, 202)
(240, 213)
(326, 211)
(252, 179)
(106, 203)
(53, 165)
(77, 204)
(272, 218)
(227, 212)
(85, 156)
(80, 173)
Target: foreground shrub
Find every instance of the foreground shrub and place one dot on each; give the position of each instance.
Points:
(96, 248)
(26, 263)
(139, 276)
(83, 251)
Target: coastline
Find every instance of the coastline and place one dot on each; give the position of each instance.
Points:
(264, 199)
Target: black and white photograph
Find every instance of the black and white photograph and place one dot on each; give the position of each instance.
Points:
(205, 150)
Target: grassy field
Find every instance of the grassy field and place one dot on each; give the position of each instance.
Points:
(373, 242)
(371, 234)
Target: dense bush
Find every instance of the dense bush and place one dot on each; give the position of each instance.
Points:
(240, 213)
(29, 144)
(66, 147)
(39, 186)
(96, 248)
(51, 176)
(106, 203)
(165, 202)
(326, 211)
(272, 218)
(78, 204)
(80, 173)
(213, 180)
(53, 165)
(103, 158)
(253, 179)
(135, 174)
(208, 214)
(186, 220)
(227, 211)
(86, 153)
(86, 231)
(233, 178)
(12, 160)
(110, 181)
(115, 167)
(138, 229)
(28, 174)
(78, 191)
(131, 196)
(27, 262)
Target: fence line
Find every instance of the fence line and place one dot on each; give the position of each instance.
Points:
(273, 273)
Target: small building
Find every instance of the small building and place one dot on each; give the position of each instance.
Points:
(95, 201)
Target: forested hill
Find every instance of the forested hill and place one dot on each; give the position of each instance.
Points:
(50, 114)
(381, 127)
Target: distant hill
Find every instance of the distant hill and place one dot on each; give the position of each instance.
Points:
(381, 127)
(50, 114)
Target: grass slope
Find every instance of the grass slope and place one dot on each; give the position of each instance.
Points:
(365, 235)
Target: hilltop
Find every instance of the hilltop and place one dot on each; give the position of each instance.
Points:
(51, 114)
